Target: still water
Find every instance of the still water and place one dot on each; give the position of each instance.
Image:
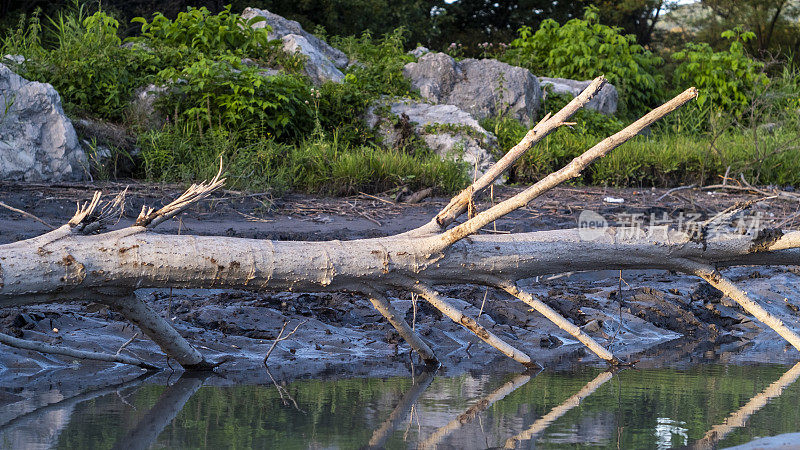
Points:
(706, 406)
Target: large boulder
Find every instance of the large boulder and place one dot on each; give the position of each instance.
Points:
(482, 87)
(447, 130)
(318, 66)
(605, 101)
(324, 62)
(37, 141)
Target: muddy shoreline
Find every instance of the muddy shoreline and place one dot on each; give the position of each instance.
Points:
(656, 317)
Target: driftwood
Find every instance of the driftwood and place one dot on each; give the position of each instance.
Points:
(78, 262)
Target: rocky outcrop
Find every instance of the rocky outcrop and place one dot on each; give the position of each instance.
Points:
(447, 130)
(37, 141)
(482, 87)
(324, 62)
(318, 66)
(605, 101)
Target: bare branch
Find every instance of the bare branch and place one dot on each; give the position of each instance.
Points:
(559, 320)
(127, 343)
(470, 324)
(571, 170)
(459, 204)
(382, 305)
(28, 215)
(42, 347)
(281, 337)
(160, 331)
(726, 286)
(196, 192)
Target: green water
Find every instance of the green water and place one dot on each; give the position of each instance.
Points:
(659, 408)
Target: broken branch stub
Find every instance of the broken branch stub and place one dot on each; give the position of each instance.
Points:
(76, 262)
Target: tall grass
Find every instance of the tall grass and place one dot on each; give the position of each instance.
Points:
(316, 165)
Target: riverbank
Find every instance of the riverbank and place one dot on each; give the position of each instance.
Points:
(655, 317)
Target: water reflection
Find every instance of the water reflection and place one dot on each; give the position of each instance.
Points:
(739, 418)
(654, 408)
(541, 424)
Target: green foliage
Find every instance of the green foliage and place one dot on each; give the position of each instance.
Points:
(669, 160)
(224, 93)
(585, 49)
(380, 71)
(82, 59)
(726, 79)
(26, 38)
(316, 165)
(211, 34)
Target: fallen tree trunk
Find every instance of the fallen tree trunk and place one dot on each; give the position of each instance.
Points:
(71, 263)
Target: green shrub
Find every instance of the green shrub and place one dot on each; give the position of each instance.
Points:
(379, 72)
(224, 93)
(207, 33)
(726, 80)
(83, 61)
(381, 61)
(197, 31)
(584, 49)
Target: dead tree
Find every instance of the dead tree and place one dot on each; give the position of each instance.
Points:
(78, 262)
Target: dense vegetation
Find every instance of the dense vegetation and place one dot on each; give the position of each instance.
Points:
(280, 132)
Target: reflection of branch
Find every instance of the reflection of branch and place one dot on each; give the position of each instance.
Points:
(555, 413)
(739, 418)
(168, 406)
(68, 403)
(435, 439)
(283, 393)
(400, 412)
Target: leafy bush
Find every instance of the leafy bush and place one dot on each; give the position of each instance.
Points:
(381, 61)
(84, 61)
(224, 93)
(585, 49)
(725, 79)
(205, 32)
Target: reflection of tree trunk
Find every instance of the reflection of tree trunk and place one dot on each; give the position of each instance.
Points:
(739, 418)
(436, 438)
(169, 404)
(400, 412)
(64, 408)
(555, 413)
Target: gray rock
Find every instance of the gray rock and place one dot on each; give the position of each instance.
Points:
(37, 141)
(605, 102)
(282, 27)
(318, 66)
(447, 130)
(142, 109)
(419, 51)
(16, 59)
(482, 87)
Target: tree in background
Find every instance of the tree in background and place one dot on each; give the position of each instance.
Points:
(637, 17)
(775, 23)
